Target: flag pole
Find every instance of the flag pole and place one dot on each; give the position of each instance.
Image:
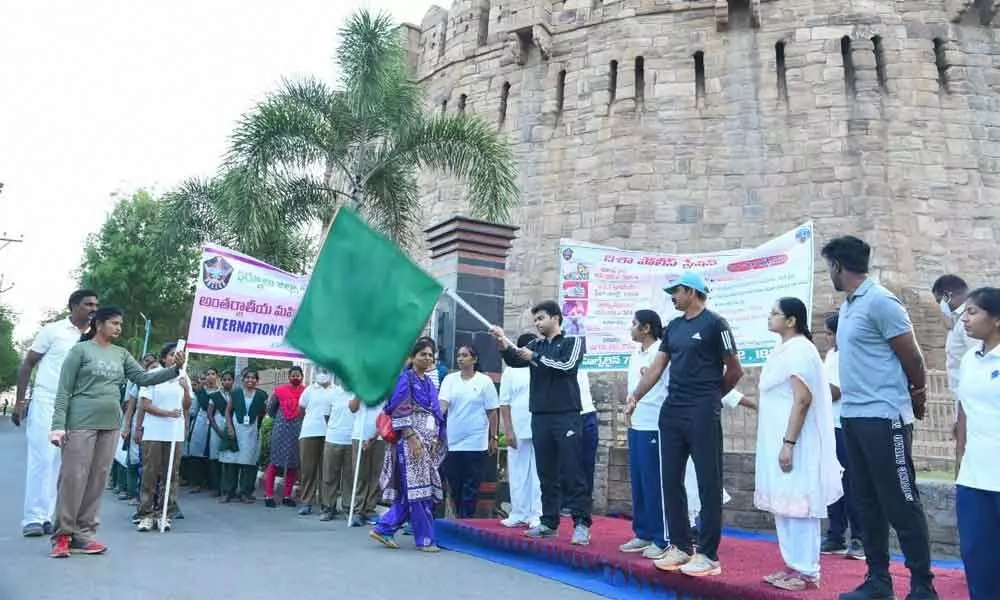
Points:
(180, 421)
(357, 463)
(475, 314)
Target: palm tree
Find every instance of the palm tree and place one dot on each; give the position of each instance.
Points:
(365, 141)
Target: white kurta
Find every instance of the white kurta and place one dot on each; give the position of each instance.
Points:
(815, 479)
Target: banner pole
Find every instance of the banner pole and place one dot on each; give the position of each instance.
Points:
(357, 462)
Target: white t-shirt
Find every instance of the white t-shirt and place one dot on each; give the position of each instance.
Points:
(515, 384)
(341, 423)
(979, 392)
(832, 364)
(956, 345)
(468, 401)
(646, 416)
(364, 421)
(168, 395)
(53, 342)
(316, 400)
(586, 398)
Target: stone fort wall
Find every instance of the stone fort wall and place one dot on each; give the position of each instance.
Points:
(701, 125)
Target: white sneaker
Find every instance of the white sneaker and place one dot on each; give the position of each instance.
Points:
(701, 565)
(654, 552)
(634, 545)
(511, 522)
(145, 524)
(672, 560)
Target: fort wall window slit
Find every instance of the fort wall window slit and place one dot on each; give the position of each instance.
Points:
(612, 81)
(848, 59)
(640, 79)
(880, 72)
(781, 70)
(461, 103)
(560, 91)
(444, 106)
(699, 75)
(504, 95)
(941, 62)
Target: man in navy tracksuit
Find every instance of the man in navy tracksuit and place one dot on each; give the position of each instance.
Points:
(556, 424)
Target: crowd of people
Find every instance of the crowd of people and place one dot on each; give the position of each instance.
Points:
(834, 436)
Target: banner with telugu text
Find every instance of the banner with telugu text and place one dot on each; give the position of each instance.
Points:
(243, 306)
(601, 288)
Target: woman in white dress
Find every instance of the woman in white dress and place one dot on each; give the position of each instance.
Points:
(522, 477)
(797, 473)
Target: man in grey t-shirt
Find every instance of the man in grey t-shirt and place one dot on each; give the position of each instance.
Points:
(882, 379)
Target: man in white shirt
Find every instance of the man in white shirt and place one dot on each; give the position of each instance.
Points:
(48, 352)
(950, 292)
(522, 476)
(317, 401)
(337, 455)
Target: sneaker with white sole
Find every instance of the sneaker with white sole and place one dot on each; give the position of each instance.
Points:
(635, 545)
(541, 531)
(581, 535)
(701, 566)
(654, 552)
(511, 523)
(672, 560)
(145, 524)
(855, 550)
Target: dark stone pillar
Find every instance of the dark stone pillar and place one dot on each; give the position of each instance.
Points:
(469, 257)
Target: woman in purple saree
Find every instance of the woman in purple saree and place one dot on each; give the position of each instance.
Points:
(410, 473)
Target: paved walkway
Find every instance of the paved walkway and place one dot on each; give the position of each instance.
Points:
(238, 551)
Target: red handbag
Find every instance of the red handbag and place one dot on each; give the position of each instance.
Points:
(383, 424)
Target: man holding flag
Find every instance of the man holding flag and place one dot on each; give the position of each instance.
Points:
(556, 423)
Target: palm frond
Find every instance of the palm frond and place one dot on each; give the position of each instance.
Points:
(376, 79)
(302, 124)
(466, 148)
(391, 202)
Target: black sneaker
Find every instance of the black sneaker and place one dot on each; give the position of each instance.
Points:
(875, 587)
(270, 503)
(920, 590)
(832, 547)
(288, 502)
(47, 528)
(855, 550)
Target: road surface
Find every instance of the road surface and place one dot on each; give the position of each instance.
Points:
(238, 551)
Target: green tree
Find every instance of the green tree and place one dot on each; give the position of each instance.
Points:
(365, 141)
(239, 211)
(10, 359)
(129, 264)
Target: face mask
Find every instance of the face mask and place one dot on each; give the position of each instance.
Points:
(323, 378)
(945, 308)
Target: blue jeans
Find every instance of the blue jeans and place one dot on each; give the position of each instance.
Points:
(978, 531)
(844, 510)
(649, 519)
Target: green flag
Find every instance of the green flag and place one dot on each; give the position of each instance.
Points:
(365, 304)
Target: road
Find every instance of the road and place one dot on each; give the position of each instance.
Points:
(240, 551)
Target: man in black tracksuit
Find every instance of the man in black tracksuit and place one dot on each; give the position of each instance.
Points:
(556, 424)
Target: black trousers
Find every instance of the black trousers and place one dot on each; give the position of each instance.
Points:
(558, 440)
(883, 482)
(696, 434)
(464, 472)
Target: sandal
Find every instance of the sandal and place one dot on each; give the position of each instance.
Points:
(385, 540)
(776, 576)
(797, 582)
(431, 548)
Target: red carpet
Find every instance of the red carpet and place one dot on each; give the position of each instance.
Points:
(744, 561)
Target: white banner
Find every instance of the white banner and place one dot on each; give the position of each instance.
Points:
(601, 288)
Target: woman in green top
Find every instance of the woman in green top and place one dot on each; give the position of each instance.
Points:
(85, 426)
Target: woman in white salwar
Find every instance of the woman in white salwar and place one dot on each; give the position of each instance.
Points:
(797, 473)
